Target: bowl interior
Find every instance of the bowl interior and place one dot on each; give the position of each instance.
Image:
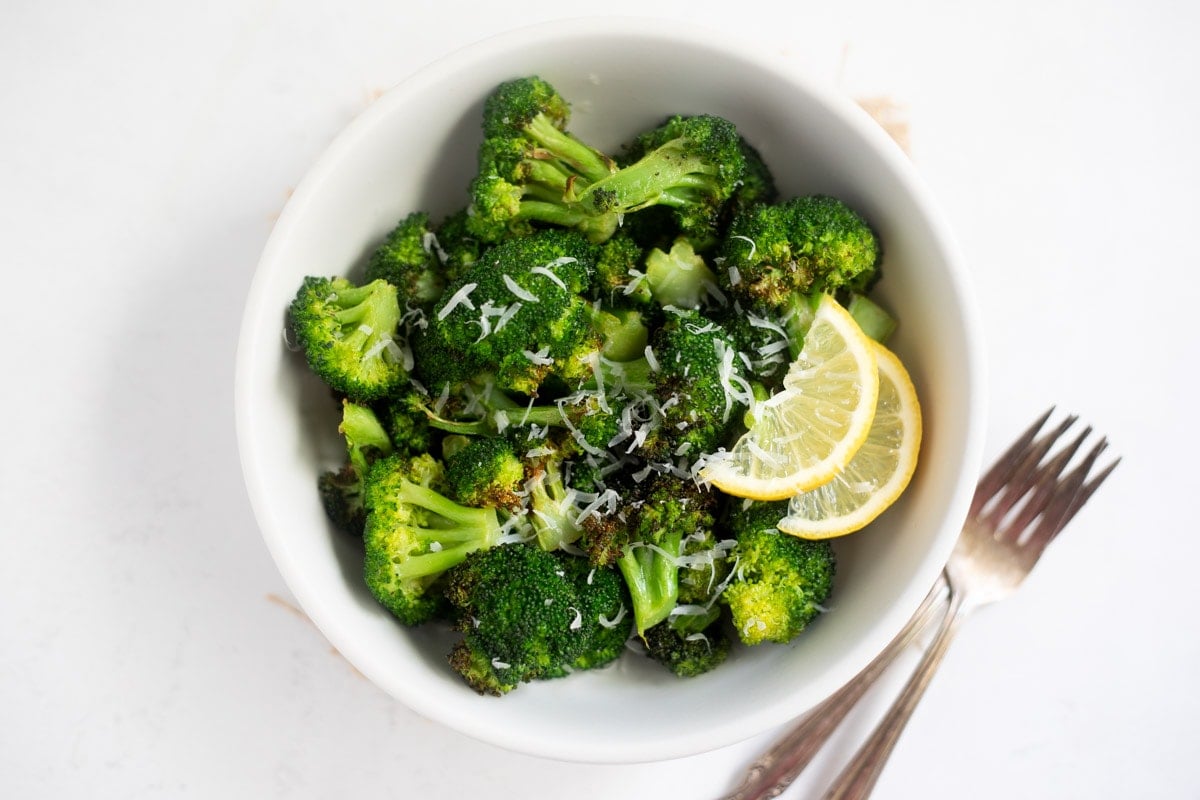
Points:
(415, 149)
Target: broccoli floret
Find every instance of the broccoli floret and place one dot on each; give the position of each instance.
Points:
(487, 472)
(704, 566)
(403, 417)
(530, 167)
(679, 277)
(691, 165)
(519, 313)
(619, 282)
(768, 338)
(781, 580)
(697, 383)
(800, 246)
(525, 614)
(341, 491)
(341, 496)
(438, 366)
(407, 260)
(347, 333)
(604, 617)
(414, 533)
(551, 513)
(663, 513)
(481, 409)
(687, 654)
(456, 247)
(757, 184)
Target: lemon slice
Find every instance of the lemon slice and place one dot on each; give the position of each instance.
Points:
(807, 432)
(879, 471)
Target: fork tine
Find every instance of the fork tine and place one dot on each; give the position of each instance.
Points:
(1045, 487)
(1006, 465)
(1028, 473)
(1076, 493)
(1090, 487)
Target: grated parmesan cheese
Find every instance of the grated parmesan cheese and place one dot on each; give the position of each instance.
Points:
(541, 357)
(650, 359)
(460, 298)
(546, 272)
(612, 623)
(521, 292)
(430, 244)
(510, 311)
(753, 246)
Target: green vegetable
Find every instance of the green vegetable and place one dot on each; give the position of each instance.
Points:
(348, 333)
(528, 614)
(414, 533)
(530, 387)
(781, 581)
(800, 246)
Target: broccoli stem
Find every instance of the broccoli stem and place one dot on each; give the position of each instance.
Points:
(652, 575)
(596, 227)
(647, 182)
(678, 277)
(472, 529)
(874, 321)
(561, 145)
(636, 375)
(550, 516)
(363, 432)
(543, 175)
(624, 333)
(365, 314)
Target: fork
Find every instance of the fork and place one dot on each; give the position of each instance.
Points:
(1020, 505)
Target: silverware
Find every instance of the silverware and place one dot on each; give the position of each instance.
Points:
(1020, 505)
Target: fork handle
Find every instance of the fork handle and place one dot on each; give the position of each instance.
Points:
(776, 769)
(857, 780)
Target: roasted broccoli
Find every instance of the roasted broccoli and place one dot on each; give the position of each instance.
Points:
(403, 416)
(348, 335)
(665, 511)
(487, 472)
(774, 253)
(518, 313)
(528, 614)
(619, 282)
(414, 533)
(687, 654)
(780, 581)
(341, 491)
(690, 164)
(408, 260)
(530, 167)
(531, 387)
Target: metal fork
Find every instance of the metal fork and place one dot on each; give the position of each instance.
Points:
(1020, 505)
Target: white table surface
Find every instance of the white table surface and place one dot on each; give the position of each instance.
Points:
(149, 648)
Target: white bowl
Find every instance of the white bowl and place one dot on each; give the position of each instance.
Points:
(414, 148)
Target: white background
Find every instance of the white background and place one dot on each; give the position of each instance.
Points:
(149, 648)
